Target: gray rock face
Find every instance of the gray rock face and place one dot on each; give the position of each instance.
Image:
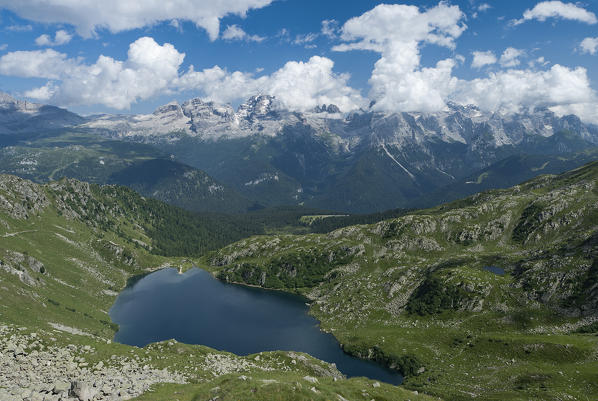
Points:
(264, 115)
(83, 391)
(19, 265)
(31, 371)
(61, 387)
(20, 198)
(331, 108)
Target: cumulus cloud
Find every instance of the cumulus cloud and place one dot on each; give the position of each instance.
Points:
(298, 85)
(48, 64)
(585, 111)
(512, 91)
(400, 83)
(481, 59)
(397, 32)
(149, 70)
(557, 9)
(589, 45)
(235, 32)
(87, 16)
(510, 57)
(61, 37)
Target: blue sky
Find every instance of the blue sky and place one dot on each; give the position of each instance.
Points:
(389, 54)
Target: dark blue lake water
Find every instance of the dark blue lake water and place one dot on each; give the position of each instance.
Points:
(495, 269)
(195, 308)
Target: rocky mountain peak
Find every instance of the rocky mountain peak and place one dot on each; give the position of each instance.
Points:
(172, 107)
(6, 99)
(257, 106)
(331, 108)
(197, 108)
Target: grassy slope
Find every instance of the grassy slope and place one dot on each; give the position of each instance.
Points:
(413, 292)
(506, 173)
(85, 239)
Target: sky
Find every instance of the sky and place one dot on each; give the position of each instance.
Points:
(132, 56)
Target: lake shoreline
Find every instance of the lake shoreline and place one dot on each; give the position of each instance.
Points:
(324, 346)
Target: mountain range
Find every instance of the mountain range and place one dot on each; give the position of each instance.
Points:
(492, 296)
(357, 162)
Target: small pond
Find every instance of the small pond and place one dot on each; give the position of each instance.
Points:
(496, 270)
(195, 308)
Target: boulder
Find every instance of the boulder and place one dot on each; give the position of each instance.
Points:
(61, 387)
(83, 391)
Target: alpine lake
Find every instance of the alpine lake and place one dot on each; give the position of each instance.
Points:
(195, 308)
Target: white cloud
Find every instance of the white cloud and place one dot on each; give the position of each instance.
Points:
(400, 83)
(510, 57)
(541, 61)
(557, 9)
(47, 64)
(284, 34)
(43, 93)
(235, 32)
(397, 32)
(379, 28)
(481, 59)
(305, 39)
(484, 7)
(516, 90)
(297, 85)
(116, 15)
(3, 47)
(589, 45)
(148, 71)
(585, 111)
(43, 40)
(152, 69)
(60, 38)
(19, 28)
(176, 24)
(330, 28)
(481, 8)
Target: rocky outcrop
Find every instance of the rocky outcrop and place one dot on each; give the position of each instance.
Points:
(20, 198)
(22, 265)
(30, 370)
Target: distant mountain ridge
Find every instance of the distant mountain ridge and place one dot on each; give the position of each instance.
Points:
(18, 116)
(357, 162)
(361, 161)
(264, 115)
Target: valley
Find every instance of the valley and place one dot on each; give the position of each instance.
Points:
(415, 290)
(412, 292)
(259, 200)
(67, 249)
